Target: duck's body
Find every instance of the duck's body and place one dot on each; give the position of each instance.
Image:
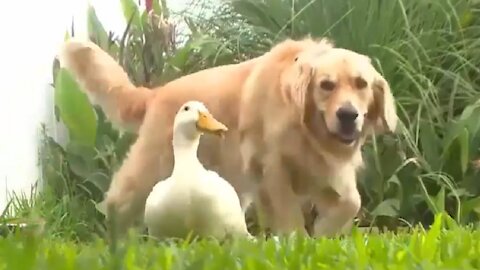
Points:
(193, 200)
(208, 206)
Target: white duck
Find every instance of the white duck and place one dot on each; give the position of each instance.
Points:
(193, 199)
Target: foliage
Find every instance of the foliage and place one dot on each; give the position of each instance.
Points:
(434, 249)
(428, 51)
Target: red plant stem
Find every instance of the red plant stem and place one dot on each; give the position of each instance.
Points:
(148, 5)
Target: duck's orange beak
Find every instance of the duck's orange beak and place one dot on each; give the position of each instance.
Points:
(207, 123)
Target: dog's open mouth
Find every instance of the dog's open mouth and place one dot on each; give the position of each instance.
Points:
(347, 135)
(347, 139)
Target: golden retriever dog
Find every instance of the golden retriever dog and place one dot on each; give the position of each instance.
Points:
(303, 118)
(150, 114)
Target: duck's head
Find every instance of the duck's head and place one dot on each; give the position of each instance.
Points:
(193, 119)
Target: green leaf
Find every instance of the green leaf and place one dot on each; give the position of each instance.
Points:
(387, 208)
(430, 144)
(157, 7)
(75, 109)
(102, 207)
(394, 180)
(130, 11)
(99, 180)
(181, 57)
(66, 36)
(464, 149)
(439, 200)
(80, 158)
(95, 29)
(450, 223)
(429, 247)
(471, 205)
(466, 19)
(468, 119)
(360, 247)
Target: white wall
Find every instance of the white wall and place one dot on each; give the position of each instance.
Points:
(31, 34)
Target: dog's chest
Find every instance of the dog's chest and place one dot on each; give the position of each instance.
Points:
(311, 175)
(308, 174)
(312, 171)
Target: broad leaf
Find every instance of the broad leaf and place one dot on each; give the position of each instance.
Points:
(80, 158)
(100, 180)
(470, 205)
(95, 29)
(75, 109)
(387, 208)
(131, 12)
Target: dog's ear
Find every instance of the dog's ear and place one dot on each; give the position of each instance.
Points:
(383, 111)
(300, 90)
(302, 80)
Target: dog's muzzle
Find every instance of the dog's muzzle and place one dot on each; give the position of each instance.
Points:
(347, 131)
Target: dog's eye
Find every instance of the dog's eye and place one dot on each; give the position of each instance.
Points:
(186, 108)
(327, 85)
(360, 83)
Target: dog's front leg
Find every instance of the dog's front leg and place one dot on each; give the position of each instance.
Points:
(149, 160)
(337, 208)
(279, 202)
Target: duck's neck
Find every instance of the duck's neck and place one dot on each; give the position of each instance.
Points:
(185, 155)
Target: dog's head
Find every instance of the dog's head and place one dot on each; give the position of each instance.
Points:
(339, 93)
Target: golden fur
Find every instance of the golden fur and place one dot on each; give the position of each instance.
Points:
(292, 141)
(275, 89)
(106, 83)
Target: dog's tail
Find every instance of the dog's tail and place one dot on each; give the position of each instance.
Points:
(106, 83)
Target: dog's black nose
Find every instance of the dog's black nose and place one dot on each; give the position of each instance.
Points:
(347, 113)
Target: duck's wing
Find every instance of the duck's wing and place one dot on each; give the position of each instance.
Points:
(223, 190)
(165, 210)
(227, 204)
(157, 202)
(159, 192)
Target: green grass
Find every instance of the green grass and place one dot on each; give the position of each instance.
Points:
(437, 248)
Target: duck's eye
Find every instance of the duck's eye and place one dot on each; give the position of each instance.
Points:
(186, 108)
